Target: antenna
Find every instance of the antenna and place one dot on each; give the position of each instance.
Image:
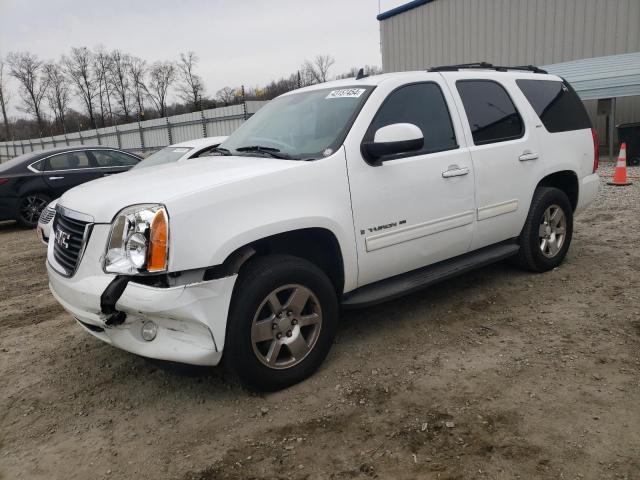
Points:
(361, 74)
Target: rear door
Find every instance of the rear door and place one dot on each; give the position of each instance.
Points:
(66, 170)
(505, 152)
(110, 162)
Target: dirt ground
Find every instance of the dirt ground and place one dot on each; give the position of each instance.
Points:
(497, 374)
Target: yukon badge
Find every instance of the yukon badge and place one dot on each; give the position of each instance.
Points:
(62, 238)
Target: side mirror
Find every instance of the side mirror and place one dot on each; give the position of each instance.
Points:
(391, 140)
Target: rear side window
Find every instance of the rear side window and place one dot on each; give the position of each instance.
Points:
(492, 115)
(109, 158)
(559, 108)
(69, 161)
(423, 105)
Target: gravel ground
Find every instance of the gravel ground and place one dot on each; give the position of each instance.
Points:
(497, 374)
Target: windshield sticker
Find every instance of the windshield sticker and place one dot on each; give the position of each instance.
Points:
(346, 93)
(181, 150)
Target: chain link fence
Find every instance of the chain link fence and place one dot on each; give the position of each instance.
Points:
(146, 136)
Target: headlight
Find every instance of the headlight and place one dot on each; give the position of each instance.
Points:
(139, 241)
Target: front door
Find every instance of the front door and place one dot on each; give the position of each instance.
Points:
(66, 170)
(415, 209)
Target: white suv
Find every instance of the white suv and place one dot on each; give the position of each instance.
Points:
(346, 193)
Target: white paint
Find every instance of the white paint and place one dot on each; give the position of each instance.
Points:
(218, 205)
(413, 232)
(497, 209)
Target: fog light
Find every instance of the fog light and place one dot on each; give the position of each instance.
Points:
(149, 331)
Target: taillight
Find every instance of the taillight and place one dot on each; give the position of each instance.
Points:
(3, 181)
(596, 150)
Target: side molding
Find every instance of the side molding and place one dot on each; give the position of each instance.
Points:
(412, 232)
(497, 209)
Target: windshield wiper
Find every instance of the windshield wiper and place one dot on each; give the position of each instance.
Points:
(223, 151)
(272, 152)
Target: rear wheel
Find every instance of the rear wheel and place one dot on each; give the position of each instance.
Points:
(282, 322)
(547, 233)
(29, 209)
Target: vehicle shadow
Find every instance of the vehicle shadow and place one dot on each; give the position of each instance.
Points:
(10, 226)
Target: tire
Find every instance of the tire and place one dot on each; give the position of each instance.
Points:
(29, 209)
(301, 294)
(536, 255)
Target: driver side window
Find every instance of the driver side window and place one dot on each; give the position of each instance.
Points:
(423, 105)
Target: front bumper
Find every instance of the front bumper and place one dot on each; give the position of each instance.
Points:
(191, 319)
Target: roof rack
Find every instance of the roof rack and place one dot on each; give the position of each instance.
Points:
(485, 66)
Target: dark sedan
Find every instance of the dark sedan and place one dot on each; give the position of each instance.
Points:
(30, 181)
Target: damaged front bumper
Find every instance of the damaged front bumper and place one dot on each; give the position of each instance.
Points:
(190, 319)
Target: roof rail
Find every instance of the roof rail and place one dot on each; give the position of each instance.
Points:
(485, 66)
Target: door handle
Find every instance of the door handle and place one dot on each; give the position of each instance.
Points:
(455, 171)
(528, 155)
(106, 174)
(56, 178)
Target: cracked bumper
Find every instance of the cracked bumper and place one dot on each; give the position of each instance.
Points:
(191, 319)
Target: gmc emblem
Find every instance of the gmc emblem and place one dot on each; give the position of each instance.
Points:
(62, 238)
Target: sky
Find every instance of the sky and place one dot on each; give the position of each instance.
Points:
(238, 42)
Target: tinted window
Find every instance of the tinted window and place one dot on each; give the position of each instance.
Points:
(423, 105)
(69, 161)
(38, 165)
(492, 115)
(559, 108)
(106, 158)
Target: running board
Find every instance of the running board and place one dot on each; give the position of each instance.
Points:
(405, 283)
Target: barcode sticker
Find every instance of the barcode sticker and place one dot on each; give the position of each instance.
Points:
(346, 93)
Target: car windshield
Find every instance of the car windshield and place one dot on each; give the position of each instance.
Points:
(305, 125)
(166, 155)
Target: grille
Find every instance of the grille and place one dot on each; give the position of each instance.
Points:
(46, 215)
(69, 236)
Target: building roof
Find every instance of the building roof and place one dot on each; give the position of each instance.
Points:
(402, 8)
(601, 77)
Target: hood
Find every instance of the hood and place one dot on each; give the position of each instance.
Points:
(104, 198)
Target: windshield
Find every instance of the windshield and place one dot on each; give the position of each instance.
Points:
(302, 125)
(166, 155)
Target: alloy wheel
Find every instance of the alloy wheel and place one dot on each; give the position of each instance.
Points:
(552, 231)
(31, 207)
(286, 326)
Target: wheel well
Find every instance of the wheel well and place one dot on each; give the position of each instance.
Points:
(317, 245)
(567, 181)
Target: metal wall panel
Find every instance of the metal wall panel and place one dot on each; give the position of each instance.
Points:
(509, 32)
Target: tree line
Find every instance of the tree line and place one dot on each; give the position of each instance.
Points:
(115, 87)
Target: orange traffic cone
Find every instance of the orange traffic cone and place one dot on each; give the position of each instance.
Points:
(620, 175)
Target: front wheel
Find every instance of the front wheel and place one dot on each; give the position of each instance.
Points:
(282, 322)
(29, 209)
(548, 230)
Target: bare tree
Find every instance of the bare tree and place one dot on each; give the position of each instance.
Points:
(102, 69)
(137, 69)
(161, 76)
(226, 95)
(27, 69)
(318, 71)
(4, 100)
(120, 80)
(191, 86)
(57, 93)
(79, 70)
